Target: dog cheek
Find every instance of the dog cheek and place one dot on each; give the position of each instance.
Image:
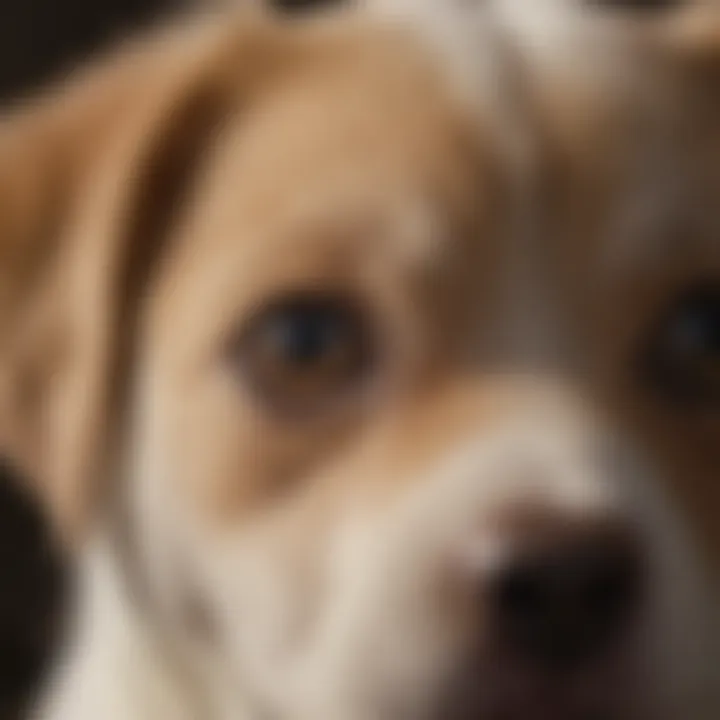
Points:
(264, 581)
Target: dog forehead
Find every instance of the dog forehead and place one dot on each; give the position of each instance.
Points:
(373, 150)
(359, 158)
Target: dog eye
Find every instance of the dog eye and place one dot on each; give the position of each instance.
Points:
(303, 5)
(304, 350)
(635, 5)
(683, 358)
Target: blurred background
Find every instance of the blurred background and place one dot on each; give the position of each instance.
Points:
(39, 41)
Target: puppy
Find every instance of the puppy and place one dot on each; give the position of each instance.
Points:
(370, 367)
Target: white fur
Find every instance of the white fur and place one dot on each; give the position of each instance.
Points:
(366, 596)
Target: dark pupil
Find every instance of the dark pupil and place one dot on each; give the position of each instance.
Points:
(635, 4)
(695, 331)
(686, 356)
(300, 5)
(306, 335)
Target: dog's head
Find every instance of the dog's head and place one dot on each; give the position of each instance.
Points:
(396, 396)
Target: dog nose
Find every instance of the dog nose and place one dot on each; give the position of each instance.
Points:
(563, 606)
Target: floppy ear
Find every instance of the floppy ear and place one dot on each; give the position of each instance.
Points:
(90, 182)
(689, 37)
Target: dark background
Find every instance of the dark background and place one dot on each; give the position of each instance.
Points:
(39, 39)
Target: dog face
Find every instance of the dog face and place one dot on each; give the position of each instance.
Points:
(403, 395)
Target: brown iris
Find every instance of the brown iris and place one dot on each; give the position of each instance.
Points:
(305, 350)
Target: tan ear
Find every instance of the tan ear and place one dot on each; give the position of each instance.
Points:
(689, 37)
(90, 182)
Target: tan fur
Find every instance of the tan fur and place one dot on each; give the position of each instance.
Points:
(151, 209)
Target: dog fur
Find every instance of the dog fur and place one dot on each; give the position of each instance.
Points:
(511, 198)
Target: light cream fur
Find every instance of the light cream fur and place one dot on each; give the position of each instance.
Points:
(467, 181)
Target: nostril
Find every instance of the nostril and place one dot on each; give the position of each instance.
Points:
(609, 586)
(568, 605)
(523, 594)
